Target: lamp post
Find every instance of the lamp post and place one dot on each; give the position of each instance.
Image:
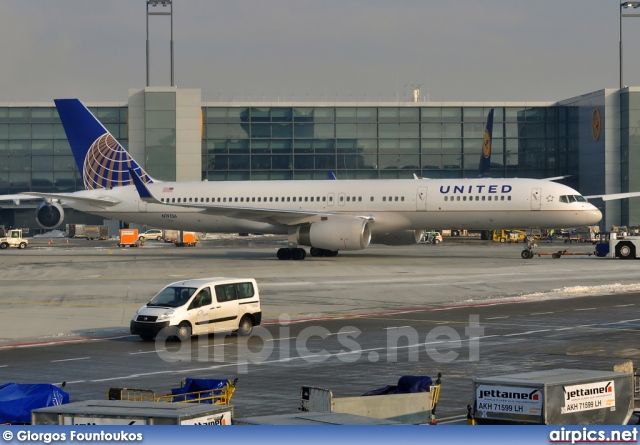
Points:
(625, 5)
(164, 3)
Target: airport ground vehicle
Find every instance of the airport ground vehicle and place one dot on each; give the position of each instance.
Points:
(171, 236)
(90, 232)
(13, 238)
(412, 401)
(626, 248)
(152, 234)
(189, 239)
(431, 237)
(128, 237)
(509, 236)
(200, 306)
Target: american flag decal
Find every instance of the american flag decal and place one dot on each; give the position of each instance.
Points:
(167, 189)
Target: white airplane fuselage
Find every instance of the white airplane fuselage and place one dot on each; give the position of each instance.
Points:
(390, 205)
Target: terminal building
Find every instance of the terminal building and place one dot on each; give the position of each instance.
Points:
(592, 139)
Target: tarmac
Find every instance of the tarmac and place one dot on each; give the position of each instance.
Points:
(67, 307)
(55, 290)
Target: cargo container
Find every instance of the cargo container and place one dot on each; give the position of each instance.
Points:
(87, 231)
(555, 397)
(171, 236)
(122, 412)
(128, 237)
(96, 232)
(188, 239)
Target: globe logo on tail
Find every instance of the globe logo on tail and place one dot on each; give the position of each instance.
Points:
(107, 165)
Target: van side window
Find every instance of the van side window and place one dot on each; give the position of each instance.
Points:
(225, 292)
(245, 290)
(202, 299)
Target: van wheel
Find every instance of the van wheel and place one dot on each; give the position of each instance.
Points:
(246, 326)
(183, 332)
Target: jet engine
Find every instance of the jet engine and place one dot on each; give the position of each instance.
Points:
(402, 238)
(49, 215)
(336, 234)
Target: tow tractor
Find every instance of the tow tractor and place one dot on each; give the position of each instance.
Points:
(618, 245)
(13, 238)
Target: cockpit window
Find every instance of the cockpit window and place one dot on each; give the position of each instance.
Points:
(572, 198)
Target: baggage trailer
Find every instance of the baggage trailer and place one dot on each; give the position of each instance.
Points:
(128, 237)
(123, 412)
(554, 397)
(188, 239)
(211, 391)
(96, 232)
(407, 408)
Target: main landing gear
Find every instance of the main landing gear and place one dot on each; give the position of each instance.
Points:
(298, 253)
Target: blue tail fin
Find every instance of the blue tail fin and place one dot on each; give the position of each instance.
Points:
(101, 160)
(485, 156)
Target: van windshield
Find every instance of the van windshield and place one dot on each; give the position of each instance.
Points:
(173, 296)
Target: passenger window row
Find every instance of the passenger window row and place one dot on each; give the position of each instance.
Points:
(477, 198)
(279, 199)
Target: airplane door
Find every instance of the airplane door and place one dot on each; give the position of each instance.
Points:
(421, 199)
(536, 197)
(340, 199)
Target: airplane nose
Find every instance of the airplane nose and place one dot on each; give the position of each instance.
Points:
(593, 216)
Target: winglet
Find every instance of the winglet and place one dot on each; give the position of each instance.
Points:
(143, 191)
(485, 156)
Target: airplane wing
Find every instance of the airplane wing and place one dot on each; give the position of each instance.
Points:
(614, 196)
(556, 178)
(100, 202)
(267, 215)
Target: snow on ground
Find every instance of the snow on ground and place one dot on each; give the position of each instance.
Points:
(575, 291)
(52, 234)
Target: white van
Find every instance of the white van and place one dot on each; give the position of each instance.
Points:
(200, 306)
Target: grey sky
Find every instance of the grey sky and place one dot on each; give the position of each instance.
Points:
(467, 50)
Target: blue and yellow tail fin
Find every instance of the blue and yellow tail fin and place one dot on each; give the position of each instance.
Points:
(100, 158)
(485, 157)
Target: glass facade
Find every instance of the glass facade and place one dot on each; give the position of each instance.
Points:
(375, 142)
(306, 142)
(34, 151)
(629, 151)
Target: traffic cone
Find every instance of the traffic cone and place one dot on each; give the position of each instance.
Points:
(67, 241)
